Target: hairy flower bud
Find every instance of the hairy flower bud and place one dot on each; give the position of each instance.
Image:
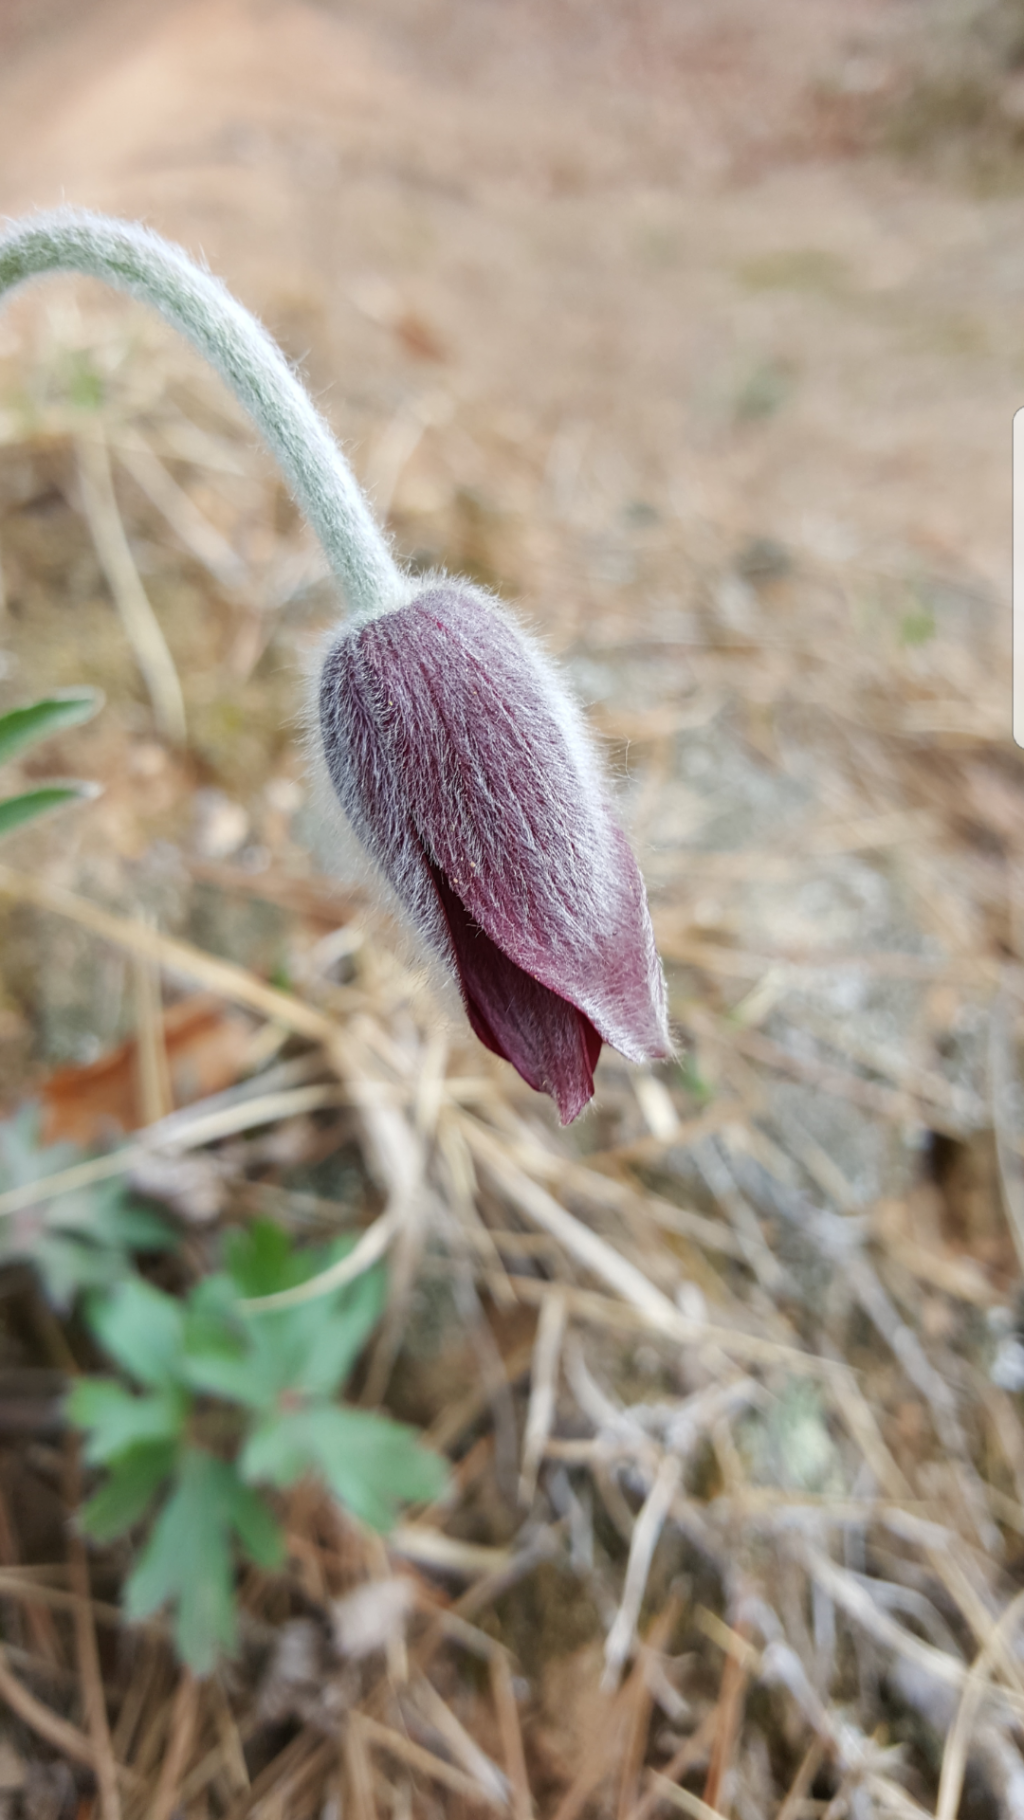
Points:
(465, 770)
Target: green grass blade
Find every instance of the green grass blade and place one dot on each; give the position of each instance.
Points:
(16, 810)
(22, 727)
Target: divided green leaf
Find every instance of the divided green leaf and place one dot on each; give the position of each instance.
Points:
(143, 1330)
(278, 1372)
(371, 1464)
(310, 1349)
(130, 1487)
(77, 1241)
(188, 1560)
(116, 1420)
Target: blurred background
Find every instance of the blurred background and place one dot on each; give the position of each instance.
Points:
(695, 330)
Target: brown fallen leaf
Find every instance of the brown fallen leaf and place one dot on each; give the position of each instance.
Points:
(207, 1043)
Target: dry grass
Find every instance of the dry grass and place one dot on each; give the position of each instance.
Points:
(728, 1375)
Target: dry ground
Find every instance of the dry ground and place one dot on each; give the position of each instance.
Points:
(634, 313)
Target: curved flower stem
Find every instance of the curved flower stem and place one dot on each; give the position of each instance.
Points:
(134, 260)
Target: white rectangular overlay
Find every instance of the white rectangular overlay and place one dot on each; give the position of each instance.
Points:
(1018, 577)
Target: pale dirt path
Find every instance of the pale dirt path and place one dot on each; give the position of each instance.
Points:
(612, 223)
(669, 318)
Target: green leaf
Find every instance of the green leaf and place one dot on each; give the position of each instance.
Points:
(116, 1420)
(255, 1525)
(142, 1329)
(75, 1241)
(279, 1450)
(131, 1485)
(261, 1261)
(125, 1223)
(217, 1353)
(225, 1373)
(212, 1306)
(104, 1214)
(22, 1158)
(188, 1561)
(371, 1464)
(65, 1264)
(81, 1241)
(22, 727)
(334, 1341)
(309, 1349)
(16, 810)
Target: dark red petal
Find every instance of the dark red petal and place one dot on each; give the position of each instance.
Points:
(466, 744)
(551, 1044)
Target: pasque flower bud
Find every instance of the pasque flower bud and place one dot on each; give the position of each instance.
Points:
(455, 750)
(464, 768)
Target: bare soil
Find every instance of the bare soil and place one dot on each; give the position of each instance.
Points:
(698, 332)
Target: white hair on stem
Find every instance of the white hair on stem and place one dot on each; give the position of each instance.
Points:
(135, 260)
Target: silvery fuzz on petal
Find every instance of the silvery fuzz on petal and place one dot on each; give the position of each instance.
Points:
(463, 767)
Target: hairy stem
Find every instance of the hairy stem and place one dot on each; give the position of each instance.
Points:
(134, 260)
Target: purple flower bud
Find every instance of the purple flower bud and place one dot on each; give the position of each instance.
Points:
(464, 768)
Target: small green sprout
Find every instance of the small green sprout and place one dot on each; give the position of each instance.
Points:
(225, 1398)
(23, 727)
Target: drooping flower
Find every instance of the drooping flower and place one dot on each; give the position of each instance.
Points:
(452, 745)
(464, 768)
